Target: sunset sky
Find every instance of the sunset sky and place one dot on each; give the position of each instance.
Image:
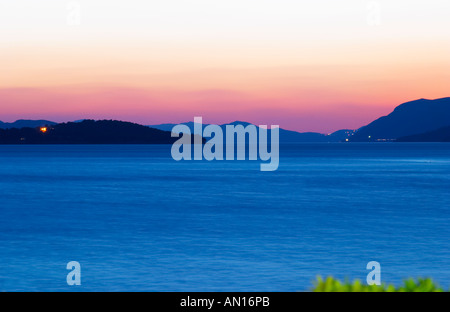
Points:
(317, 65)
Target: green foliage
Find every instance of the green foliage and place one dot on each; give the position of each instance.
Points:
(333, 285)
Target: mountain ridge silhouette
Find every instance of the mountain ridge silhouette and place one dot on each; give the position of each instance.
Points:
(410, 118)
(413, 120)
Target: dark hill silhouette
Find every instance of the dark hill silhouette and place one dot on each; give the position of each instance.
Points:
(340, 135)
(407, 119)
(440, 135)
(286, 136)
(23, 123)
(87, 132)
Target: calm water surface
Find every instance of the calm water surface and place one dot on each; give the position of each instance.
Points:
(138, 221)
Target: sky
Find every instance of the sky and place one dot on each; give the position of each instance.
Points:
(318, 65)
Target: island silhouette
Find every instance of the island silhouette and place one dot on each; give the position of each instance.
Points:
(87, 132)
(416, 121)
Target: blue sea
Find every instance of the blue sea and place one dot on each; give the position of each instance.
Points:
(136, 220)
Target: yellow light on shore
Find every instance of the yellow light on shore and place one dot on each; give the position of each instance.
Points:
(44, 129)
